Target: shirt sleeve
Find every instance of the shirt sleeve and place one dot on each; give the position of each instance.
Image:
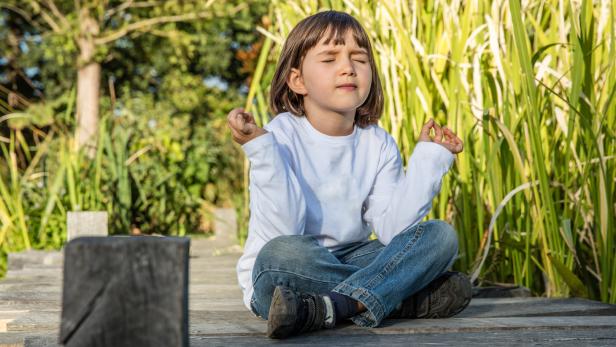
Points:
(277, 205)
(399, 200)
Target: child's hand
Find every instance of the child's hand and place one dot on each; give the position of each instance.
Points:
(443, 136)
(243, 126)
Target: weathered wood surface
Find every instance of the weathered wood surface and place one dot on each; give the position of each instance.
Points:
(86, 223)
(30, 303)
(124, 291)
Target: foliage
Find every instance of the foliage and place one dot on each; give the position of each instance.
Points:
(153, 175)
(164, 158)
(41, 61)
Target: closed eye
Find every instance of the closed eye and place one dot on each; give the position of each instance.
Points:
(359, 61)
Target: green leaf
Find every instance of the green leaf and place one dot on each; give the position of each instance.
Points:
(573, 282)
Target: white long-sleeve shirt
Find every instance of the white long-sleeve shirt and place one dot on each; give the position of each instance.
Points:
(338, 188)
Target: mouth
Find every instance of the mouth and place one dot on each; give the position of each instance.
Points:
(347, 86)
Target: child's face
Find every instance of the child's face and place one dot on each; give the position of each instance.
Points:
(325, 68)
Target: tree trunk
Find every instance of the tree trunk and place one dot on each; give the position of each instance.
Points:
(88, 83)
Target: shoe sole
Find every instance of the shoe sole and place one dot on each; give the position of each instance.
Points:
(455, 296)
(281, 317)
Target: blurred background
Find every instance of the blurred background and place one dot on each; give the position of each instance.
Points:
(120, 106)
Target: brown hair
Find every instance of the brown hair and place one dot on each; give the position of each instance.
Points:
(307, 34)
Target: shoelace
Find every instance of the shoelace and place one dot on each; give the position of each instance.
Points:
(315, 311)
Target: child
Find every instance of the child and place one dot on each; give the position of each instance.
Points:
(323, 175)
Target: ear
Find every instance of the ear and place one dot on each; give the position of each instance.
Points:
(296, 82)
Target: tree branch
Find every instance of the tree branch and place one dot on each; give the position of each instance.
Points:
(52, 24)
(144, 24)
(119, 8)
(131, 4)
(23, 14)
(148, 23)
(52, 6)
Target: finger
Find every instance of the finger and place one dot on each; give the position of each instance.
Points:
(237, 137)
(232, 117)
(448, 132)
(456, 145)
(451, 136)
(248, 128)
(460, 144)
(438, 137)
(425, 130)
(238, 122)
(446, 136)
(232, 114)
(249, 118)
(455, 138)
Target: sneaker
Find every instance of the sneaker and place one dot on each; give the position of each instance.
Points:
(293, 313)
(444, 297)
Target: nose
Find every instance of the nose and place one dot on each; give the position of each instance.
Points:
(347, 66)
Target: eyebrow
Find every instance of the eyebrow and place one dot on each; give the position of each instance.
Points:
(334, 51)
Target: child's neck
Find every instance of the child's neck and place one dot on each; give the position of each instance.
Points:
(332, 123)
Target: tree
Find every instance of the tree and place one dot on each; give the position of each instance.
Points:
(85, 32)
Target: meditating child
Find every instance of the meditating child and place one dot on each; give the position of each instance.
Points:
(323, 176)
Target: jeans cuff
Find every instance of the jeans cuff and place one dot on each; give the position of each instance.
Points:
(374, 313)
(252, 307)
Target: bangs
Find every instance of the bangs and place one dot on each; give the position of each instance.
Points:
(333, 28)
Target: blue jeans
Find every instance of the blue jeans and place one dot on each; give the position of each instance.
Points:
(378, 276)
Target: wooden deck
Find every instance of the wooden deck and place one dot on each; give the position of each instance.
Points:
(30, 304)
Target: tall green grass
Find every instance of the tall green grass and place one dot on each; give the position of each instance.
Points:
(530, 89)
(32, 187)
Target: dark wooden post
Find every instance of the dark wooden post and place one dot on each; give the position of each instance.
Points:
(125, 291)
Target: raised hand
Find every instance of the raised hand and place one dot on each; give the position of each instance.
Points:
(243, 126)
(443, 136)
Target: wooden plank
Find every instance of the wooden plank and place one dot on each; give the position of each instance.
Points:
(35, 321)
(34, 274)
(541, 337)
(217, 315)
(33, 258)
(29, 288)
(12, 298)
(217, 305)
(527, 307)
(256, 326)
